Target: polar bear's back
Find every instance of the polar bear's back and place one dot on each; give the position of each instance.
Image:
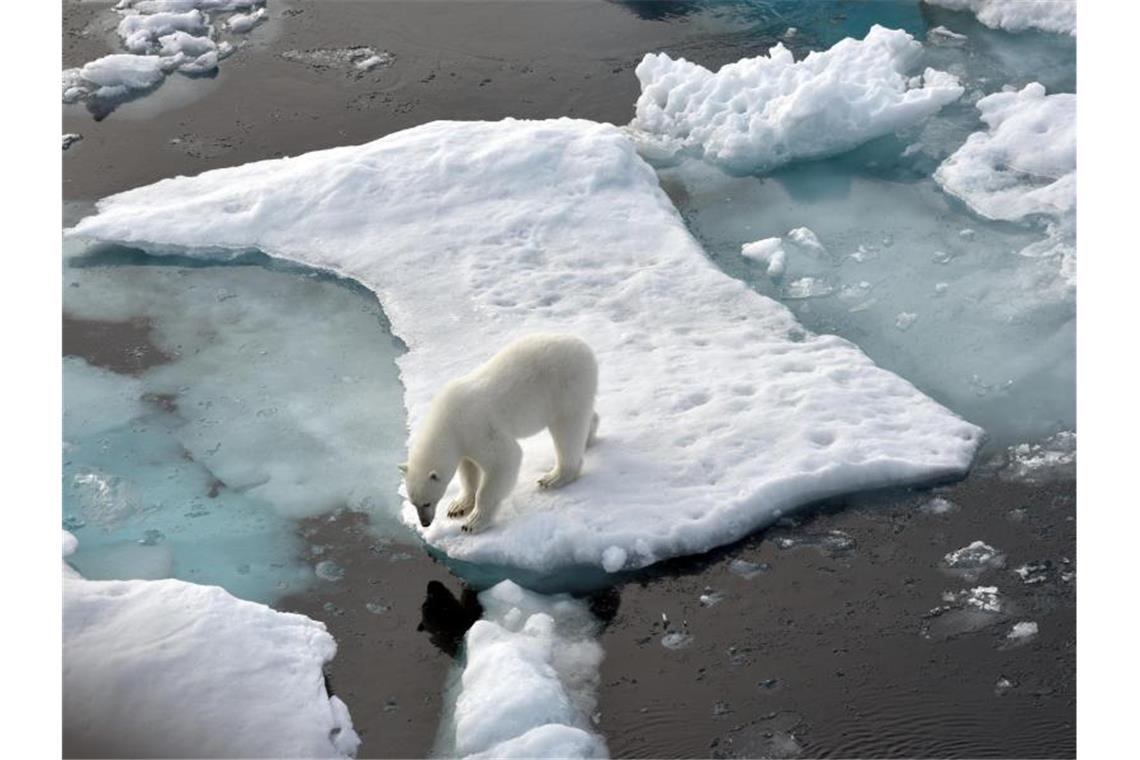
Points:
(535, 379)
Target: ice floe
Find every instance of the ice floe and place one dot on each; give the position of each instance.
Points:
(759, 113)
(719, 412)
(529, 680)
(1054, 458)
(160, 37)
(1058, 16)
(70, 139)
(173, 669)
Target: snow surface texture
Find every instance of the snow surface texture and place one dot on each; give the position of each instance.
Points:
(173, 669)
(759, 113)
(719, 412)
(528, 686)
(160, 37)
(1023, 168)
(1018, 15)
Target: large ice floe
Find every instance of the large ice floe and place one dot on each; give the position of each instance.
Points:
(1023, 168)
(1018, 15)
(173, 669)
(527, 683)
(160, 37)
(760, 113)
(719, 411)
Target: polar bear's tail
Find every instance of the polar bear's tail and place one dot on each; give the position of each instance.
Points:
(593, 436)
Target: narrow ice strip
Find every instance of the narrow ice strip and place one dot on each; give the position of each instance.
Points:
(1058, 16)
(173, 669)
(718, 411)
(759, 113)
(528, 686)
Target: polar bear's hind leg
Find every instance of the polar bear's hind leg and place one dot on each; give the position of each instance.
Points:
(571, 435)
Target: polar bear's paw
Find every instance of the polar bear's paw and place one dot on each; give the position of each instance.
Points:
(557, 478)
(475, 523)
(461, 506)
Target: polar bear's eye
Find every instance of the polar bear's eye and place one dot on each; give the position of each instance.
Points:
(433, 476)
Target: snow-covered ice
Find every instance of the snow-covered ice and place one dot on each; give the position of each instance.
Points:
(1022, 631)
(760, 113)
(173, 669)
(973, 560)
(1050, 459)
(1058, 16)
(160, 37)
(714, 401)
(529, 679)
(1023, 167)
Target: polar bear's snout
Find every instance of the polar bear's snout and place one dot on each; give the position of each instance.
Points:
(426, 512)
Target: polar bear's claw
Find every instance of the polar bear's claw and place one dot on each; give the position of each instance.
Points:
(461, 506)
(474, 524)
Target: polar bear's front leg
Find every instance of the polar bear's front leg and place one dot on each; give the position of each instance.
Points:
(500, 473)
(469, 479)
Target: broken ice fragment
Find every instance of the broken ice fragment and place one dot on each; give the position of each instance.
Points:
(329, 571)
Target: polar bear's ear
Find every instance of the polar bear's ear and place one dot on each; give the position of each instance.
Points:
(433, 475)
(403, 467)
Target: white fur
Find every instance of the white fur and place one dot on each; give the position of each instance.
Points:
(544, 381)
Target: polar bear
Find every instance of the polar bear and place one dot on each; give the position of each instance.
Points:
(541, 381)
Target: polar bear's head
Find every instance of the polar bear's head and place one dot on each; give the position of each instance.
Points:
(425, 489)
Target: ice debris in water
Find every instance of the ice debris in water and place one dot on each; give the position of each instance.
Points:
(905, 319)
(830, 542)
(940, 35)
(807, 287)
(1058, 16)
(70, 139)
(377, 607)
(974, 559)
(329, 571)
(1022, 631)
(759, 113)
(983, 598)
(160, 37)
(355, 61)
(529, 680)
(1035, 573)
(1003, 685)
(676, 640)
(1053, 458)
(748, 570)
(769, 251)
(711, 598)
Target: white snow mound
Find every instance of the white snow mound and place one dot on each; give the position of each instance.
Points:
(173, 669)
(759, 113)
(1058, 16)
(718, 411)
(531, 675)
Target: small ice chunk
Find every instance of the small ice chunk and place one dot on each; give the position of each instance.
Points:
(613, 559)
(328, 570)
(1058, 16)
(377, 607)
(70, 139)
(939, 506)
(768, 251)
(711, 598)
(676, 640)
(808, 287)
(1003, 685)
(973, 560)
(70, 543)
(984, 598)
(1034, 573)
(803, 236)
(1053, 458)
(1022, 631)
(241, 23)
(905, 319)
(940, 35)
(831, 542)
(748, 570)
(940, 288)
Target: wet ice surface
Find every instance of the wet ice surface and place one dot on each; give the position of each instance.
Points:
(263, 396)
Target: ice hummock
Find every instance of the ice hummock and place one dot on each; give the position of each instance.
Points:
(173, 669)
(528, 682)
(719, 412)
(1058, 16)
(760, 113)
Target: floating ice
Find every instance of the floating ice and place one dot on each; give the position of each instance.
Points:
(748, 570)
(830, 542)
(1058, 16)
(1054, 458)
(173, 669)
(1034, 573)
(355, 61)
(768, 251)
(676, 640)
(974, 559)
(1023, 167)
(711, 598)
(759, 113)
(70, 139)
(1022, 631)
(529, 682)
(983, 598)
(940, 35)
(327, 570)
(558, 225)
(160, 36)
